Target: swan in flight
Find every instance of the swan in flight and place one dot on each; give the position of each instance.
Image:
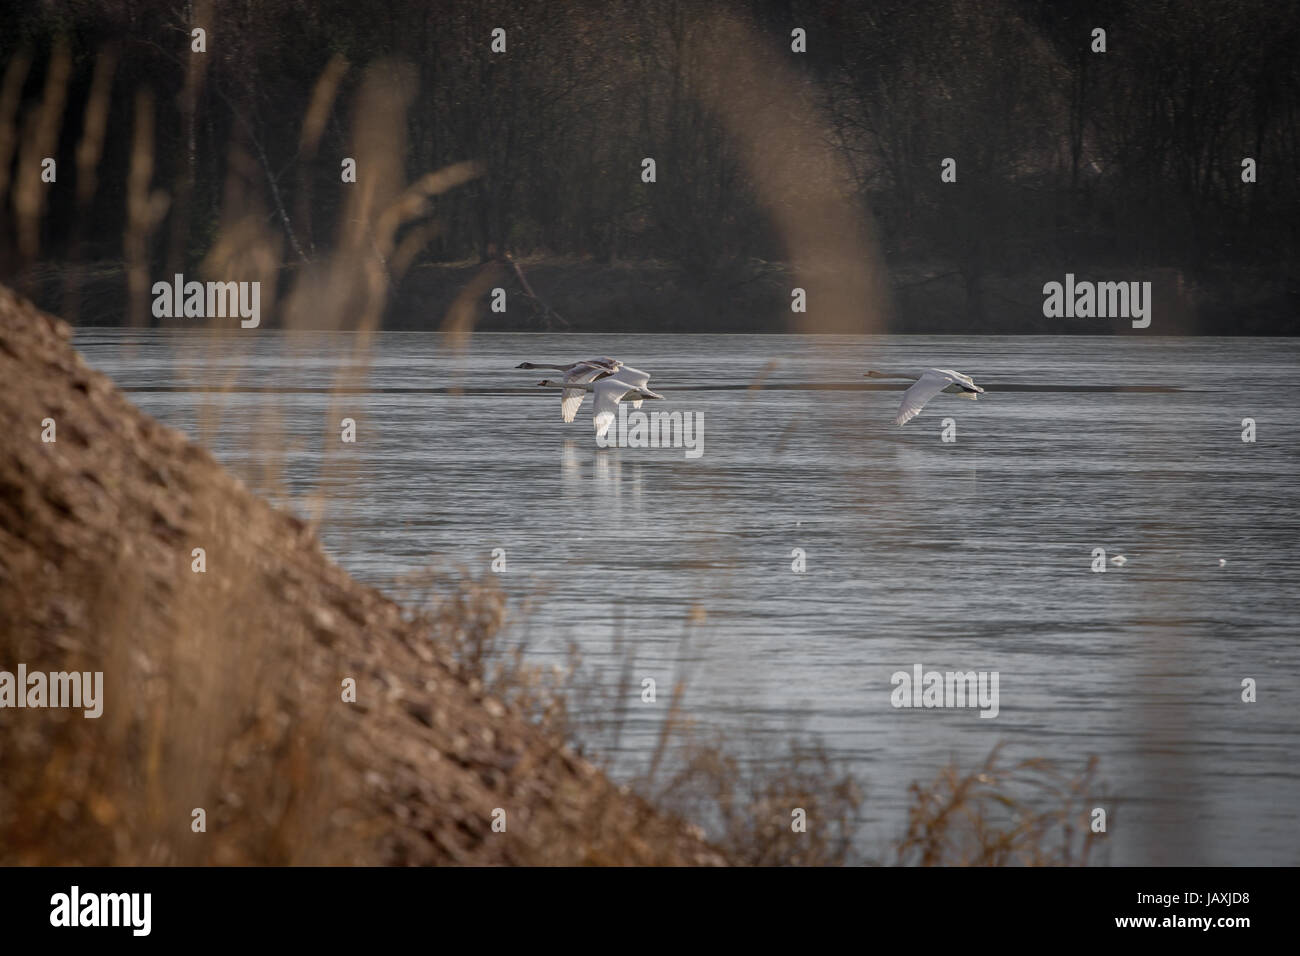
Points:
(585, 372)
(931, 383)
(607, 393)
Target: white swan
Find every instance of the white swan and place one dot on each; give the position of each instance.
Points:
(607, 393)
(930, 383)
(590, 370)
(634, 377)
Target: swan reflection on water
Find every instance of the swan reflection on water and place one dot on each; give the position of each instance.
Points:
(609, 476)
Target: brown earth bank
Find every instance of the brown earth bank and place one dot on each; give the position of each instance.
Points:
(581, 295)
(223, 689)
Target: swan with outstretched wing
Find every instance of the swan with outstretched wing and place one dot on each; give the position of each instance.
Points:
(930, 383)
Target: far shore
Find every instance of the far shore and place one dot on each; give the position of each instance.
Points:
(641, 296)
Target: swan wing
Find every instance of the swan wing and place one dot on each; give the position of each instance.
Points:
(930, 384)
(608, 365)
(959, 378)
(608, 393)
(581, 374)
(570, 402)
(634, 377)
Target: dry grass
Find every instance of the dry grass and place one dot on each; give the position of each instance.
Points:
(1027, 813)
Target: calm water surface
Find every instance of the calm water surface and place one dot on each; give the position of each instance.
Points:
(966, 555)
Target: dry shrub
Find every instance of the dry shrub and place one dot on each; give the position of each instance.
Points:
(749, 807)
(1028, 813)
(466, 619)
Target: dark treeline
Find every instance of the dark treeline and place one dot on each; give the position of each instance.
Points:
(1125, 165)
